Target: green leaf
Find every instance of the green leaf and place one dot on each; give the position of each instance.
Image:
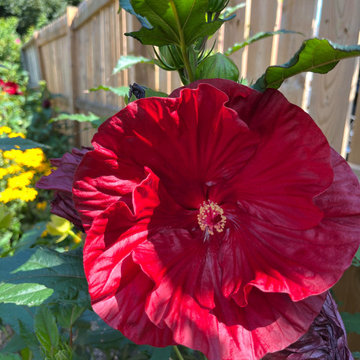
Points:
(356, 259)
(46, 329)
(161, 353)
(351, 322)
(101, 336)
(13, 314)
(256, 37)
(62, 272)
(126, 5)
(77, 117)
(29, 294)
(230, 10)
(19, 143)
(174, 21)
(67, 314)
(127, 61)
(315, 55)
(217, 66)
(152, 93)
(119, 91)
(30, 237)
(9, 357)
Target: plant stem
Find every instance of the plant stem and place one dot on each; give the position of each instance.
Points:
(178, 353)
(182, 44)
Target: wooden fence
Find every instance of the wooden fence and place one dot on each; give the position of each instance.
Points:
(79, 51)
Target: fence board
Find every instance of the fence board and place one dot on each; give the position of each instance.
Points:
(296, 16)
(263, 16)
(330, 93)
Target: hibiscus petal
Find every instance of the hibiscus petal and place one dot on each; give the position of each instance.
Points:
(279, 182)
(276, 259)
(196, 131)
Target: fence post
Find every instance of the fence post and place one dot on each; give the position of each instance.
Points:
(71, 75)
(38, 55)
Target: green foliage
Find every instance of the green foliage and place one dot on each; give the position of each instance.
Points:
(19, 143)
(119, 91)
(30, 294)
(351, 322)
(46, 330)
(34, 13)
(173, 22)
(10, 43)
(356, 259)
(91, 118)
(127, 61)
(217, 66)
(315, 55)
(254, 38)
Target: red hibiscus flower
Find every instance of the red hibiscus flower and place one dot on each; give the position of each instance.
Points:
(10, 87)
(61, 181)
(216, 218)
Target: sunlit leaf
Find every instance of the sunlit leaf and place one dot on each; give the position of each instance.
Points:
(128, 61)
(256, 37)
(29, 294)
(173, 21)
(217, 66)
(315, 55)
(119, 91)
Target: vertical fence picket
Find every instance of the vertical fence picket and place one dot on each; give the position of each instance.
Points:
(330, 93)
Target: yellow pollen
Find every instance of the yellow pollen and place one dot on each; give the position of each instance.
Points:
(211, 217)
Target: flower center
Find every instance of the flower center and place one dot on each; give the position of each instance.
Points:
(211, 217)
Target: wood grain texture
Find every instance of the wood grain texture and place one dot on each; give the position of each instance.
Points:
(354, 155)
(296, 16)
(330, 93)
(263, 16)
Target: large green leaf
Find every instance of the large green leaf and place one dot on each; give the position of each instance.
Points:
(256, 37)
(127, 61)
(19, 143)
(30, 294)
(315, 55)
(217, 66)
(46, 329)
(351, 322)
(61, 272)
(178, 22)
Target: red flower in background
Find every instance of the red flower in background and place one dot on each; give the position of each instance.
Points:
(61, 181)
(216, 218)
(10, 87)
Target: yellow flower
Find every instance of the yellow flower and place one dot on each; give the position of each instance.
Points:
(26, 194)
(13, 135)
(41, 205)
(20, 181)
(5, 130)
